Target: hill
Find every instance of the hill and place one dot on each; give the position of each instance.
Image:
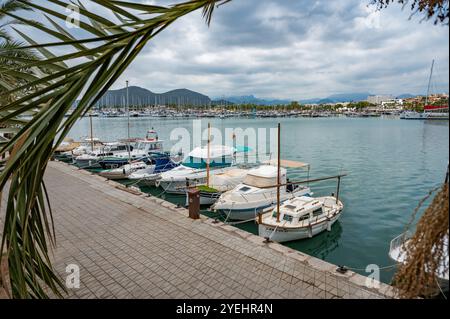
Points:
(141, 97)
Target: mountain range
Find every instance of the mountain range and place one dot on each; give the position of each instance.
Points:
(140, 97)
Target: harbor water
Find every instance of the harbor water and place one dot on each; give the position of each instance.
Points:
(391, 165)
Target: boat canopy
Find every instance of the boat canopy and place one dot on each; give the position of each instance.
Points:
(287, 163)
(215, 151)
(264, 176)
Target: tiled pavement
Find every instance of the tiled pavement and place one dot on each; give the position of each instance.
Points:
(134, 246)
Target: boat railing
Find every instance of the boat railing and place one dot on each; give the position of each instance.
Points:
(399, 240)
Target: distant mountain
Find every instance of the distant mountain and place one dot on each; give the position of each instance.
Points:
(251, 99)
(141, 97)
(221, 102)
(338, 98)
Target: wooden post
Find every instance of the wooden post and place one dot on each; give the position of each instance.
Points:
(337, 190)
(91, 132)
(207, 160)
(259, 218)
(278, 175)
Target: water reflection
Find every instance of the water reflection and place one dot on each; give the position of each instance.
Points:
(319, 246)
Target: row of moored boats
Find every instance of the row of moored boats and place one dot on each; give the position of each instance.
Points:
(237, 193)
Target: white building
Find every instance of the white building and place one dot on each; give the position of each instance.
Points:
(379, 99)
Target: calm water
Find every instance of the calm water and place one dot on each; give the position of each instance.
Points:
(391, 164)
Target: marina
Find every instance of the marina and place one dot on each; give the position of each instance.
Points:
(262, 151)
(129, 245)
(359, 229)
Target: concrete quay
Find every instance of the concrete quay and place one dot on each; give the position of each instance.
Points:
(128, 244)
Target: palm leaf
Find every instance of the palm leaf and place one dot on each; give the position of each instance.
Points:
(49, 89)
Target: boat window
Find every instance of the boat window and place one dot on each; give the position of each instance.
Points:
(244, 188)
(291, 207)
(317, 212)
(302, 218)
(287, 217)
(274, 214)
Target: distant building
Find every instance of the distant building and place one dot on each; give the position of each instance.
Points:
(379, 99)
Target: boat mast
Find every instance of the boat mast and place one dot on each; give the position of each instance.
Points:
(207, 160)
(128, 124)
(429, 83)
(278, 176)
(92, 134)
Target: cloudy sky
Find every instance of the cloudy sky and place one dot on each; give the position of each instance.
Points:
(295, 49)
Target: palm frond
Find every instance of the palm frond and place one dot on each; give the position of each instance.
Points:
(51, 89)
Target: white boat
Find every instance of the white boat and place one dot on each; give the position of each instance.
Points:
(87, 145)
(220, 183)
(430, 112)
(144, 177)
(91, 159)
(398, 253)
(124, 171)
(193, 170)
(149, 175)
(413, 115)
(254, 194)
(141, 149)
(299, 218)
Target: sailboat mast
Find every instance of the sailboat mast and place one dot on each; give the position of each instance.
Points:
(207, 160)
(429, 83)
(128, 124)
(278, 175)
(92, 134)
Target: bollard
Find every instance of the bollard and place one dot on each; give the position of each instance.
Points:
(194, 203)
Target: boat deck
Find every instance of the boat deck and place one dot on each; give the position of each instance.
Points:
(130, 245)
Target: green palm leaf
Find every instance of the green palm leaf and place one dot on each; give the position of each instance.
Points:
(47, 90)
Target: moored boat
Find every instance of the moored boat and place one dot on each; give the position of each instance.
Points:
(124, 171)
(193, 170)
(299, 218)
(257, 192)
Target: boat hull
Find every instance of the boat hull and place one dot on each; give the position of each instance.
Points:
(88, 163)
(281, 235)
(249, 210)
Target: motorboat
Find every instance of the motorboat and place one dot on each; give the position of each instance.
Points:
(149, 175)
(142, 149)
(193, 170)
(92, 159)
(300, 217)
(256, 193)
(124, 171)
(218, 184)
(398, 253)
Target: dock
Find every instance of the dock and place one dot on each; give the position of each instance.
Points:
(129, 244)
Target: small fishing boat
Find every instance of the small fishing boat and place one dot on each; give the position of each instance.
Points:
(124, 171)
(194, 171)
(257, 192)
(299, 218)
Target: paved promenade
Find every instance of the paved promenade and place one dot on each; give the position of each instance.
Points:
(134, 246)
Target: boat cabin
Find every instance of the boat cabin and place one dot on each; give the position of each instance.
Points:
(301, 210)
